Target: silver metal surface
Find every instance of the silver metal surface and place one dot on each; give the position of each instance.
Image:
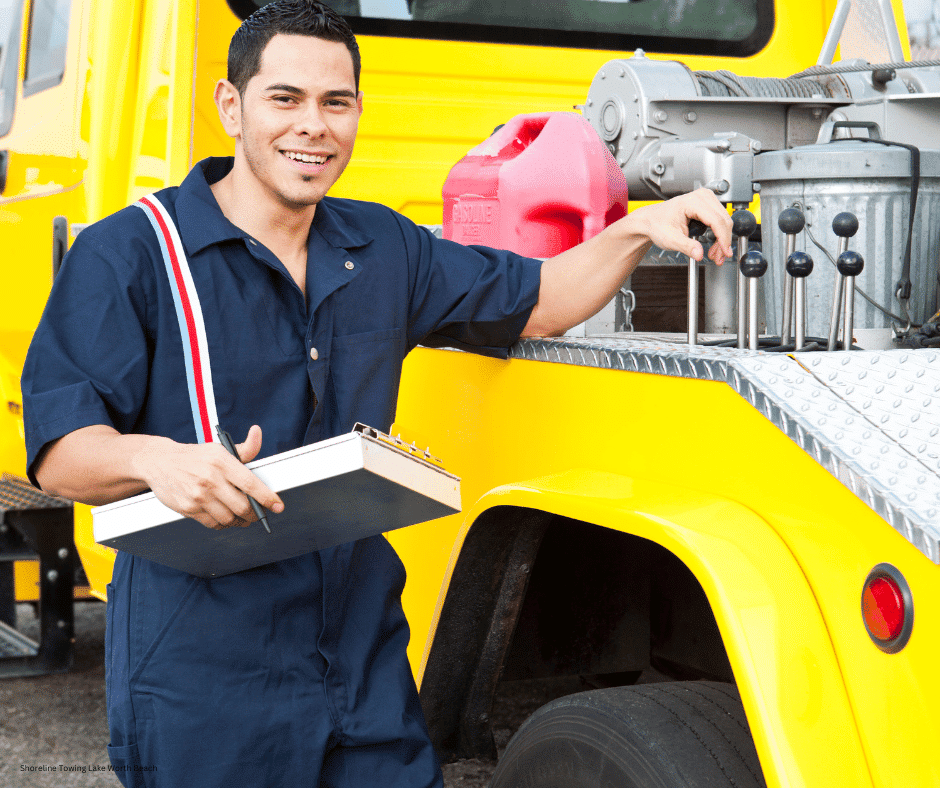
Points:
(753, 336)
(828, 51)
(835, 313)
(693, 301)
(742, 294)
(868, 417)
(799, 297)
(848, 321)
(790, 247)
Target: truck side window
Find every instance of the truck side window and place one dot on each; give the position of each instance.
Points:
(735, 28)
(11, 15)
(48, 36)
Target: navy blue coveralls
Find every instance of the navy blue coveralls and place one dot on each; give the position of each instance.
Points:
(294, 673)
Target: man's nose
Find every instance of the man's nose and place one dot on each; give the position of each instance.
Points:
(311, 122)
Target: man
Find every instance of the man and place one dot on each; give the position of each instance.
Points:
(293, 673)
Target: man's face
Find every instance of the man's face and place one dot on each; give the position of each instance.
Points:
(298, 119)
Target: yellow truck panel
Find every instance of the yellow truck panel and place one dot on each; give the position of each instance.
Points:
(698, 489)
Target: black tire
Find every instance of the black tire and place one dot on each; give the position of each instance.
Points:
(671, 735)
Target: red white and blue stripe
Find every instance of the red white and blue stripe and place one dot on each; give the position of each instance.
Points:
(189, 315)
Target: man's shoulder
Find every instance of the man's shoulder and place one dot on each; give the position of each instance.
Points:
(124, 241)
(126, 228)
(360, 213)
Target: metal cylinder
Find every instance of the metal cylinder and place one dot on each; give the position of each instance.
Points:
(752, 332)
(787, 309)
(693, 301)
(799, 311)
(834, 314)
(873, 182)
(742, 295)
(849, 320)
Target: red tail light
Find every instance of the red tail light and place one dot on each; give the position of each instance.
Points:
(887, 608)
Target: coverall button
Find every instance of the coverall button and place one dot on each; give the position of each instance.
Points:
(349, 265)
(314, 354)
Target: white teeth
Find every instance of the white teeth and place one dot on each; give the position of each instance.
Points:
(305, 157)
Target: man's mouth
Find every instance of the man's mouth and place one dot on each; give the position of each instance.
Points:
(306, 158)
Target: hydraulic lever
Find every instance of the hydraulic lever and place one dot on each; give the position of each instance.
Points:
(696, 230)
(744, 226)
(845, 225)
(791, 222)
(753, 266)
(799, 266)
(850, 265)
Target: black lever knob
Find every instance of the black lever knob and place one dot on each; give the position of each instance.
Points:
(791, 221)
(799, 265)
(850, 263)
(845, 225)
(697, 229)
(744, 225)
(753, 264)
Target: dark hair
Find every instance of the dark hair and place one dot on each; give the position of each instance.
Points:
(290, 17)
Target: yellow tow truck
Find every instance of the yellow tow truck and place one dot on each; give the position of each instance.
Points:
(754, 518)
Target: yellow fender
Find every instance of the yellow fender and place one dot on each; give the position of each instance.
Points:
(770, 623)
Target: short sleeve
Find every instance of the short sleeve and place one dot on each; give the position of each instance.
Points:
(88, 361)
(469, 297)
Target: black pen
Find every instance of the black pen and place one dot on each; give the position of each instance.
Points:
(226, 440)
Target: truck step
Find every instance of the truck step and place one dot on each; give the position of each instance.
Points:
(15, 644)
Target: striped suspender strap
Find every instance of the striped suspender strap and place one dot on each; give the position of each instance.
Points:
(189, 315)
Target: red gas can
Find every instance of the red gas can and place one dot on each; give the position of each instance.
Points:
(539, 185)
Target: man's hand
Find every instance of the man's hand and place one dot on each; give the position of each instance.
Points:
(577, 283)
(205, 482)
(98, 465)
(666, 224)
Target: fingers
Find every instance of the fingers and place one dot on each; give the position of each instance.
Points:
(248, 450)
(704, 206)
(246, 483)
(206, 483)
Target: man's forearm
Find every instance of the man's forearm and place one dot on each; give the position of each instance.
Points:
(578, 282)
(94, 465)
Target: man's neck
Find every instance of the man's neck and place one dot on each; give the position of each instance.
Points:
(280, 228)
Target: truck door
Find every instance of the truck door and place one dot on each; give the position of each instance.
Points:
(42, 159)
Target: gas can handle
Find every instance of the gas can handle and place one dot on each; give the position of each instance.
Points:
(828, 129)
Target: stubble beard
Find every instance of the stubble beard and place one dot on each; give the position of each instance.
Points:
(257, 168)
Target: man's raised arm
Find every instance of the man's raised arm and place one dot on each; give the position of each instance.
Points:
(578, 282)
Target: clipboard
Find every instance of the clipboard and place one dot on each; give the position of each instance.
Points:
(339, 490)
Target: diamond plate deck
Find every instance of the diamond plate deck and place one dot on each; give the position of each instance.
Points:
(17, 494)
(868, 417)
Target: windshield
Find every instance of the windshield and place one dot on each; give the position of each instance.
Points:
(11, 13)
(716, 27)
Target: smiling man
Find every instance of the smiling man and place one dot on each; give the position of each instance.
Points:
(293, 673)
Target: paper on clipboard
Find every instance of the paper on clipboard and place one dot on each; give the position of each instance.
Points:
(335, 491)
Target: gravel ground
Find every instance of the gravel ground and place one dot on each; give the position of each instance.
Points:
(60, 721)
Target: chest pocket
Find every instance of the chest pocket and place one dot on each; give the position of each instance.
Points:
(365, 370)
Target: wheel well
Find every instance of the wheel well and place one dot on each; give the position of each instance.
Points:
(535, 595)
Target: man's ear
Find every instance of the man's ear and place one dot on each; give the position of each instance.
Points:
(229, 104)
(359, 102)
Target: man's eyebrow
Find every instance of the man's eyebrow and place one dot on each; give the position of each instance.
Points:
(340, 94)
(282, 88)
(295, 91)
